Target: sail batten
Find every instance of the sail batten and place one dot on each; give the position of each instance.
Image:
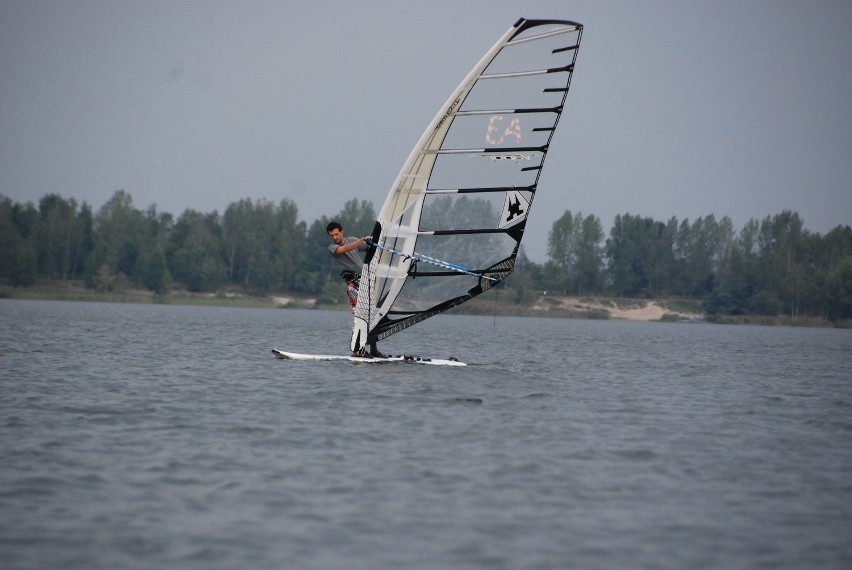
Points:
(463, 196)
(477, 190)
(538, 37)
(508, 111)
(514, 74)
(462, 232)
(486, 150)
(569, 48)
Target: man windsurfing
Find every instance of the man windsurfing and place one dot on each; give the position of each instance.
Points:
(345, 251)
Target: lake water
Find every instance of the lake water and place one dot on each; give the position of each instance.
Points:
(146, 436)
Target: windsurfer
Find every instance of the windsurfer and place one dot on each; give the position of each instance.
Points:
(345, 252)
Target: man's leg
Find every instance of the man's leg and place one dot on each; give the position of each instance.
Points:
(352, 291)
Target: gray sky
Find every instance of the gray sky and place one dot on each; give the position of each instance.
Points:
(677, 108)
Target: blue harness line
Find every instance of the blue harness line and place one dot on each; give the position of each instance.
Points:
(425, 258)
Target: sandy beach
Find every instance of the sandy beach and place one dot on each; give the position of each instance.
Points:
(622, 309)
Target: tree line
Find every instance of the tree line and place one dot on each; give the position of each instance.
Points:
(769, 267)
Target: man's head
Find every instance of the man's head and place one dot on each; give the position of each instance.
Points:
(335, 232)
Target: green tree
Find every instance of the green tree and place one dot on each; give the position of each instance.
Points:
(822, 256)
(64, 236)
(781, 240)
(260, 272)
(155, 274)
(839, 290)
(660, 243)
(624, 259)
(636, 251)
(56, 235)
(264, 245)
(777, 267)
(588, 262)
(18, 257)
(700, 248)
(289, 248)
(522, 288)
(118, 231)
(84, 240)
(152, 269)
(239, 237)
(196, 251)
(575, 251)
(562, 247)
(736, 274)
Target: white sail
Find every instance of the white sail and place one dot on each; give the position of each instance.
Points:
(463, 195)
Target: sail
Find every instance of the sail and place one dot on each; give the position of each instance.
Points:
(453, 221)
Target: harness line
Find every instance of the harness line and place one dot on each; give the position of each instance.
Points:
(440, 263)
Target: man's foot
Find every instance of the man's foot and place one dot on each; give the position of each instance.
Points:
(374, 352)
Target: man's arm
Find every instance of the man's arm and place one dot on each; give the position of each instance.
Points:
(341, 249)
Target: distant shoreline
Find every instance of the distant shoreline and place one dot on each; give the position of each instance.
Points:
(592, 307)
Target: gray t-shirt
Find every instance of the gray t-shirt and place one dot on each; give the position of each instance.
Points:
(350, 260)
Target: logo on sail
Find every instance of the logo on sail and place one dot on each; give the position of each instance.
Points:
(513, 129)
(515, 208)
(516, 158)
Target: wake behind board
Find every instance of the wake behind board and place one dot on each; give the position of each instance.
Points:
(283, 355)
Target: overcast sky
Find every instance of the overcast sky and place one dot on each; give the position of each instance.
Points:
(739, 108)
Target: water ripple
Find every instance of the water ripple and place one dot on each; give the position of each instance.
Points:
(588, 444)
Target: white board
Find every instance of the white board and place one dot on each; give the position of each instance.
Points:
(283, 355)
